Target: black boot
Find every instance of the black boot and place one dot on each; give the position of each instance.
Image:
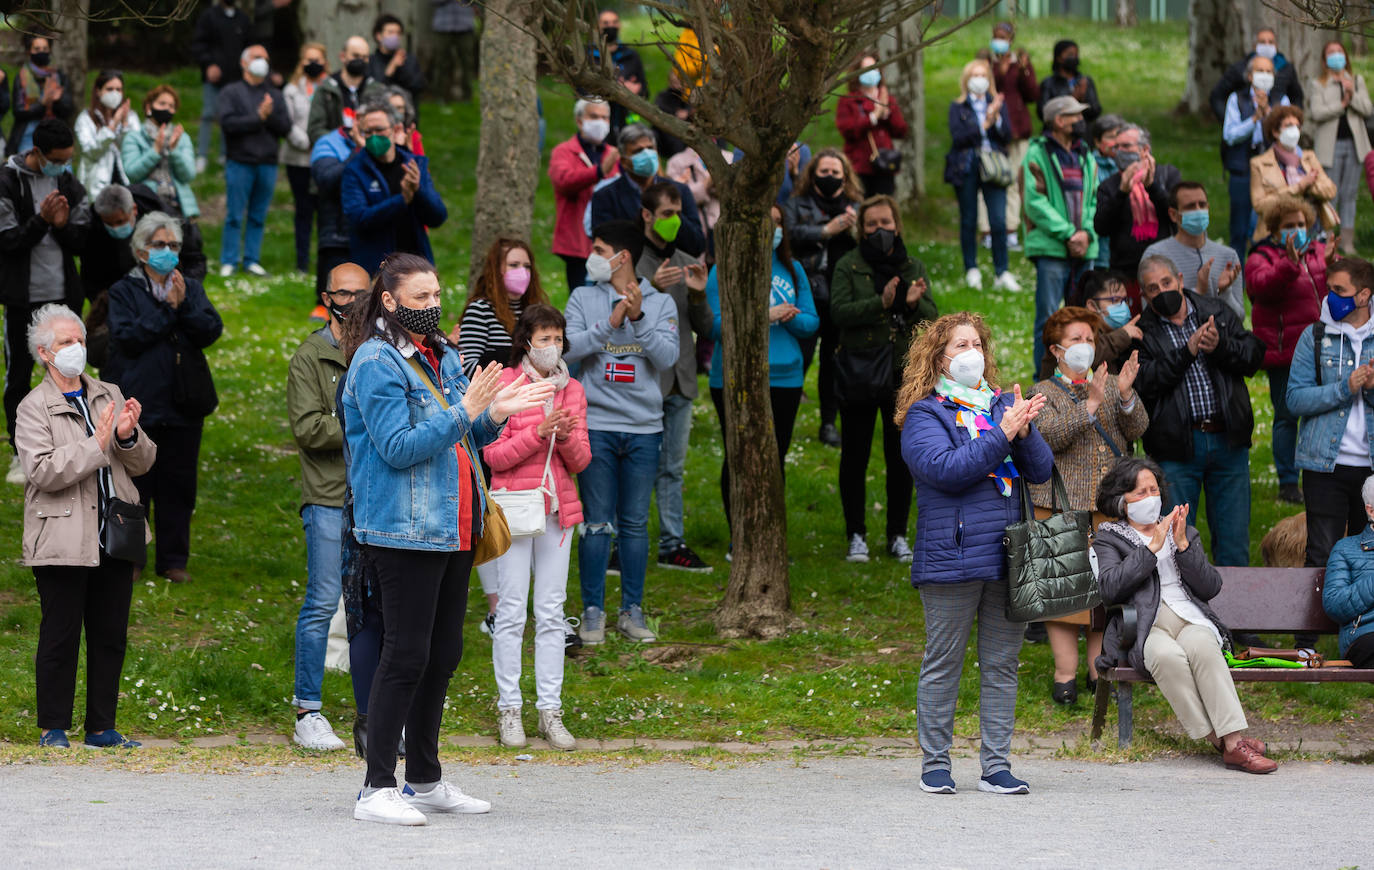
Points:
(360, 735)
(1065, 693)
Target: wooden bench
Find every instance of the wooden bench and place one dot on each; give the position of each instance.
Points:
(1261, 600)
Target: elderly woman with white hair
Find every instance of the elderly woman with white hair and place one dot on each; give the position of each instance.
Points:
(160, 323)
(80, 445)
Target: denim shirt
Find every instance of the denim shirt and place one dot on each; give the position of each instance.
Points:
(401, 460)
(1323, 407)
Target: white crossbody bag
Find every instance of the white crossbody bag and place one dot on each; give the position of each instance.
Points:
(525, 508)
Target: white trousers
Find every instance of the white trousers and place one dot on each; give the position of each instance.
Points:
(547, 557)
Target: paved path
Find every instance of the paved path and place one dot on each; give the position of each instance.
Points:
(823, 812)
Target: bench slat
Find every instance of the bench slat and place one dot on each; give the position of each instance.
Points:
(1273, 600)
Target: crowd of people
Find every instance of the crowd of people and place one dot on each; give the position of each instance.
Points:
(573, 421)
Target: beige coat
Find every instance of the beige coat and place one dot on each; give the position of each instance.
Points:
(61, 461)
(1080, 454)
(1324, 114)
(1267, 182)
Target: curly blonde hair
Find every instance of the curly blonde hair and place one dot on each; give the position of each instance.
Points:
(1281, 207)
(924, 365)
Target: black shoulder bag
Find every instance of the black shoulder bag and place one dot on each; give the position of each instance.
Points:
(126, 535)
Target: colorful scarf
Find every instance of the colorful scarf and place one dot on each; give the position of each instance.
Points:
(1291, 164)
(1144, 221)
(973, 413)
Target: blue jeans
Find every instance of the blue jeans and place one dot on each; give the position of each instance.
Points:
(209, 119)
(323, 530)
(995, 199)
(1242, 214)
(615, 490)
(1053, 276)
(1285, 436)
(677, 430)
(1223, 473)
(247, 188)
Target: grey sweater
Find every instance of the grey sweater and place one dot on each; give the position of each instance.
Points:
(1189, 260)
(694, 311)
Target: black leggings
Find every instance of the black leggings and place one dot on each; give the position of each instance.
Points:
(826, 337)
(1361, 652)
(1335, 508)
(856, 442)
(299, 179)
(785, 401)
(424, 595)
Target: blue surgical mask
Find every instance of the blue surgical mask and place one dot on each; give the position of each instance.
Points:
(1335, 62)
(1297, 234)
(53, 169)
(645, 163)
(777, 237)
(871, 79)
(1195, 222)
(163, 260)
(122, 231)
(1339, 306)
(1000, 46)
(1118, 315)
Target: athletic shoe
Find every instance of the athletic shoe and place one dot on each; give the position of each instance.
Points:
(572, 641)
(829, 435)
(313, 732)
(631, 624)
(256, 269)
(110, 739)
(899, 549)
(551, 728)
(593, 629)
(226, 270)
(973, 279)
(488, 624)
(613, 563)
(1002, 782)
(986, 241)
(16, 473)
(56, 738)
(683, 559)
(937, 782)
(858, 549)
(445, 797)
(386, 805)
(510, 730)
(1013, 241)
(200, 165)
(1007, 281)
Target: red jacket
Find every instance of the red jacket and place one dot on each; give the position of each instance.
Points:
(574, 177)
(517, 455)
(1285, 297)
(852, 118)
(1019, 88)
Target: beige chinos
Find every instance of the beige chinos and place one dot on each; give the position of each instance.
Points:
(1186, 663)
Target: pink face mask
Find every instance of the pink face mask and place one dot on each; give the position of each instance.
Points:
(517, 280)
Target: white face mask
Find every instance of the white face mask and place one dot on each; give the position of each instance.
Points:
(1078, 357)
(967, 367)
(1289, 136)
(1268, 52)
(599, 269)
(978, 85)
(1145, 512)
(545, 358)
(1263, 81)
(112, 99)
(70, 360)
(595, 130)
(258, 68)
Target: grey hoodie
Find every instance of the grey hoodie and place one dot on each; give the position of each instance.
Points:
(621, 368)
(47, 281)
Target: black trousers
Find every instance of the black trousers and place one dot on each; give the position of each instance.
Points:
(856, 443)
(18, 363)
(299, 179)
(576, 271)
(72, 596)
(1361, 652)
(827, 337)
(424, 597)
(169, 491)
(1335, 508)
(785, 401)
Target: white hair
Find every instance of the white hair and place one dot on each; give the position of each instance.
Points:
(580, 107)
(149, 224)
(1367, 491)
(41, 332)
(114, 199)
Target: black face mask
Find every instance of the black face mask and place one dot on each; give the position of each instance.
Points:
(1069, 65)
(420, 321)
(356, 67)
(1079, 129)
(313, 69)
(342, 312)
(160, 116)
(611, 35)
(881, 240)
(829, 185)
(40, 58)
(1167, 303)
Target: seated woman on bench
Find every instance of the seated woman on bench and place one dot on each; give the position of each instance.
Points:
(1348, 594)
(1157, 565)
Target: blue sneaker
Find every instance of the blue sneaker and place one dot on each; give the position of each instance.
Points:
(56, 738)
(1002, 782)
(937, 782)
(111, 739)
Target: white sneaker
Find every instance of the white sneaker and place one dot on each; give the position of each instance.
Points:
(858, 549)
(510, 728)
(553, 730)
(1013, 241)
(200, 165)
(900, 550)
(973, 279)
(226, 270)
(313, 732)
(444, 798)
(16, 473)
(256, 269)
(386, 805)
(1007, 281)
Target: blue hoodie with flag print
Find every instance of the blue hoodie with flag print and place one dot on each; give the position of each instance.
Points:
(620, 368)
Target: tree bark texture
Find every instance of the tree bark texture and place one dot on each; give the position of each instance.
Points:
(508, 151)
(332, 21)
(69, 48)
(1215, 41)
(906, 82)
(1125, 13)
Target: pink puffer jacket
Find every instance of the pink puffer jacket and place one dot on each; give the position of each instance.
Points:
(517, 456)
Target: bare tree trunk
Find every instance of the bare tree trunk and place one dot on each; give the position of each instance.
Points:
(1214, 42)
(69, 49)
(906, 82)
(333, 21)
(508, 153)
(1125, 13)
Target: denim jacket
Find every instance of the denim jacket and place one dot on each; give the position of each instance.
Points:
(1323, 406)
(401, 461)
(1348, 591)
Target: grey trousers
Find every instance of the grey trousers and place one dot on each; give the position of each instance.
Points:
(950, 609)
(1347, 172)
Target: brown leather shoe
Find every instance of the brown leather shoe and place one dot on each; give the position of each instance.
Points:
(1253, 742)
(178, 575)
(1244, 757)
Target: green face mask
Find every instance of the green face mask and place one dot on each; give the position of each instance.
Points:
(667, 227)
(377, 146)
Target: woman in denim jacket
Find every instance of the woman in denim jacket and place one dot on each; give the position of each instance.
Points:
(413, 424)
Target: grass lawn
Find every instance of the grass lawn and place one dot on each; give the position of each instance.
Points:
(216, 656)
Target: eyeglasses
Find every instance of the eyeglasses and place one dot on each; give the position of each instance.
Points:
(376, 131)
(171, 246)
(346, 295)
(1109, 300)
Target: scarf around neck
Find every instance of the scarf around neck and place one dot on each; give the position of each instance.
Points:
(973, 412)
(1144, 221)
(558, 377)
(886, 266)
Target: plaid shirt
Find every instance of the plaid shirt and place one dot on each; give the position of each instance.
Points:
(1197, 380)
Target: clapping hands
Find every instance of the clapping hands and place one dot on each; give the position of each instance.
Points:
(1015, 422)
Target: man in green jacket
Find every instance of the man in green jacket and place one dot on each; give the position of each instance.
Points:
(338, 97)
(311, 385)
(1060, 201)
